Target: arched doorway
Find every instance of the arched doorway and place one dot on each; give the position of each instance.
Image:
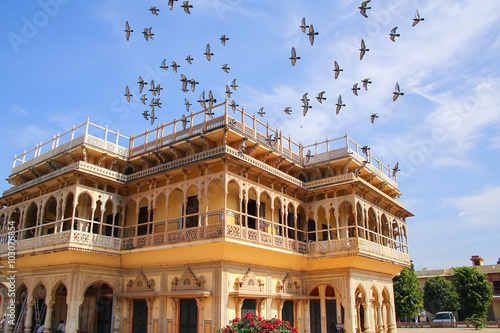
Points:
(96, 309)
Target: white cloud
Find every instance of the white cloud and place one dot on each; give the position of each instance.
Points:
(478, 209)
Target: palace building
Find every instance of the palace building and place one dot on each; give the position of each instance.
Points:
(196, 222)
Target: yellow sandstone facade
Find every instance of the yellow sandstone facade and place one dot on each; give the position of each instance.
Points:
(183, 229)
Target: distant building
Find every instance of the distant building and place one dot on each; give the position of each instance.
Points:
(199, 221)
(492, 273)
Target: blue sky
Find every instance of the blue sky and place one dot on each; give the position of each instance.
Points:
(66, 60)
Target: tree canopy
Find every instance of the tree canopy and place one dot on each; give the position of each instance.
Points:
(440, 295)
(474, 291)
(407, 293)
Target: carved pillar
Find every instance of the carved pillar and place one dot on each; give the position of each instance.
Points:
(260, 307)
(29, 317)
(175, 306)
(48, 317)
(367, 316)
(200, 302)
(130, 321)
(149, 303)
(239, 305)
(279, 303)
(118, 314)
(380, 321)
(306, 316)
(349, 314)
(391, 318)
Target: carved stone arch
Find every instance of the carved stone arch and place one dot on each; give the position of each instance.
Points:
(37, 285)
(386, 295)
(113, 284)
(143, 198)
(374, 289)
(363, 292)
(55, 285)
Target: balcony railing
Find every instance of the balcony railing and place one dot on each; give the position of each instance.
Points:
(90, 235)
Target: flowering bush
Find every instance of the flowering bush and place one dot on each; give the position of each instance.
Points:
(250, 323)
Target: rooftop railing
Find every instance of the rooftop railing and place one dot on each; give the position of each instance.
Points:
(197, 123)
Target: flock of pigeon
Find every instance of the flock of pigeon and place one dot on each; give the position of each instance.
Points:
(363, 49)
(230, 88)
(156, 89)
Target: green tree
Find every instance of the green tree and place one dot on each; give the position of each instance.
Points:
(407, 293)
(474, 291)
(440, 295)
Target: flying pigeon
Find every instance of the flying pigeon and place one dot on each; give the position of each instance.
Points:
(142, 83)
(311, 34)
(152, 88)
(223, 39)
(187, 104)
(174, 66)
(228, 91)
(339, 104)
(127, 94)
(158, 89)
(171, 4)
(153, 117)
(184, 121)
(225, 68)
(163, 66)
(154, 10)
(145, 114)
(143, 99)
(393, 34)
(373, 116)
(355, 89)
(337, 69)
(208, 53)
(193, 84)
(366, 82)
(363, 49)
(211, 100)
(417, 18)
(157, 102)
(202, 99)
(397, 93)
(148, 34)
(395, 169)
(303, 25)
(128, 30)
(288, 110)
(233, 84)
(234, 106)
(189, 59)
(364, 7)
(152, 104)
(184, 83)
(294, 57)
(186, 6)
(320, 97)
(261, 112)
